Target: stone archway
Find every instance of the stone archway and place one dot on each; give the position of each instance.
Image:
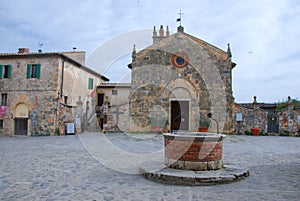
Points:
(22, 98)
(20, 108)
(21, 119)
(184, 100)
(22, 111)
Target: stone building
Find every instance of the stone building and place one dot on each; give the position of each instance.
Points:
(252, 115)
(41, 92)
(268, 117)
(177, 80)
(289, 118)
(112, 106)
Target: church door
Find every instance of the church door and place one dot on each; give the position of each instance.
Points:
(179, 115)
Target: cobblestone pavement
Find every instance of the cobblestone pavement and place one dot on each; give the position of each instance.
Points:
(71, 168)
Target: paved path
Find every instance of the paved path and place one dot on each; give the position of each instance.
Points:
(79, 168)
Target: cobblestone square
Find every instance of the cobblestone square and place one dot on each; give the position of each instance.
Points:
(97, 167)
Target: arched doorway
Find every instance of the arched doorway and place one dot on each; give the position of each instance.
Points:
(21, 119)
(180, 109)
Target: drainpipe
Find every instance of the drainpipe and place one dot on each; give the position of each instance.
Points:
(62, 78)
(60, 94)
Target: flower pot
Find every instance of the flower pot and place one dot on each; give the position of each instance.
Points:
(202, 129)
(255, 131)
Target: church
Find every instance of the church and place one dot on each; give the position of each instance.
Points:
(176, 82)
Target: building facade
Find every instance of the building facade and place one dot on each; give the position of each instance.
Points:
(42, 92)
(270, 118)
(112, 106)
(178, 80)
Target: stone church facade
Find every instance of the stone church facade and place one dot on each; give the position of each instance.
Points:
(178, 80)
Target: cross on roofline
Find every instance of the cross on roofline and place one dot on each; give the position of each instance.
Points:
(179, 19)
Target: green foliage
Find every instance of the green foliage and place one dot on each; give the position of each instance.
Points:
(283, 104)
(284, 133)
(280, 106)
(263, 133)
(247, 132)
(204, 122)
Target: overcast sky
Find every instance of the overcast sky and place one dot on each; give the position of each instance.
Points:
(264, 34)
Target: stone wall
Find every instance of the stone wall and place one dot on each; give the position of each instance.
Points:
(208, 73)
(60, 95)
(289, 121)
(38, 95)
(251, 118)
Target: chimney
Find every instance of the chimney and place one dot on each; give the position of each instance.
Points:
(161, 34)
(168, 32)
(154, 32)
(23, 50)
(161, 31)
(255, 104)
(290, 104)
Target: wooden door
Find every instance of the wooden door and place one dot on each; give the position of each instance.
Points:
(179, 115)
(21, 126)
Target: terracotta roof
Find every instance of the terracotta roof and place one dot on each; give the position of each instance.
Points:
(114, 85)
(53, 54)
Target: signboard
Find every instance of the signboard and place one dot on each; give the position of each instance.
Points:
(70, 128)
(239, 116)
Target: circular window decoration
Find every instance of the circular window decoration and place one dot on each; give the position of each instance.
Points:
(180, 60)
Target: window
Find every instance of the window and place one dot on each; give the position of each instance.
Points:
(114, 92)
(33, 71)
(4, 99)
(5, 71)
(90, 84)
(1, 124)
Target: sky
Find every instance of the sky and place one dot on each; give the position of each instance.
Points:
(264, 35)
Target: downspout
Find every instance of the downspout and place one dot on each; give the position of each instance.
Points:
(60, 93)
(62, 78)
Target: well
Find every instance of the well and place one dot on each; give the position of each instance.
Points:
(193, 151)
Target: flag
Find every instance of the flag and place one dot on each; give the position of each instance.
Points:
(178, 20)
(2, 111)
(93, 92)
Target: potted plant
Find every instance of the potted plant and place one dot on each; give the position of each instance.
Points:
(255, 131)
(204, 124)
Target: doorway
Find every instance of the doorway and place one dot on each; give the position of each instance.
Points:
(21, 126)
(273, 125)
(179, 115)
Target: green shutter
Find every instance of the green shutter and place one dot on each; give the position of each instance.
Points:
(90, 86)
(38, 71)
(0, 71)
(28, 71)
(8, 71)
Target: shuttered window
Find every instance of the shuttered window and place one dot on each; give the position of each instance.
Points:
(4, 99)
(33, 71)
(5, 71)
(91, 83)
